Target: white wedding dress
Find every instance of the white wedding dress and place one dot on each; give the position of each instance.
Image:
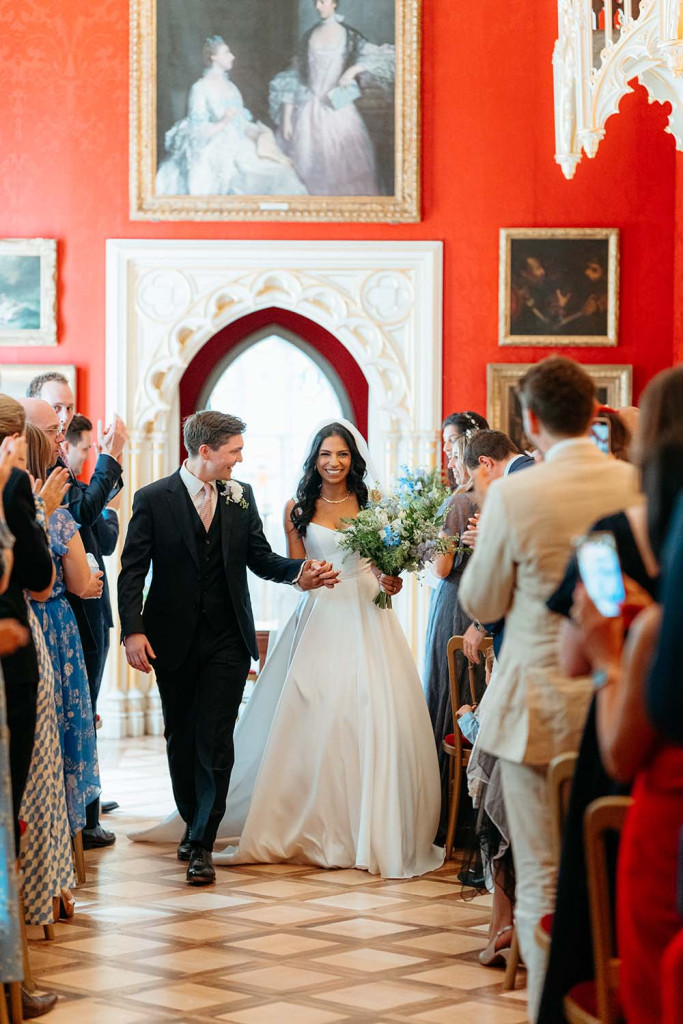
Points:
(335, 761)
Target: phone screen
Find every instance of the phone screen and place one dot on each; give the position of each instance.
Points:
(601, 572)
(600, 434)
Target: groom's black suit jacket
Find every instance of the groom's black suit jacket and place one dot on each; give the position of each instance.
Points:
(162, 532)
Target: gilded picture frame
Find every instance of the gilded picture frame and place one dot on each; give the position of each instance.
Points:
(614, 385)
(559, 286)
(261, 159)
(28, 291)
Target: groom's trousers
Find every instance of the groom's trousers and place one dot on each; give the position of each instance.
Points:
(200, 701)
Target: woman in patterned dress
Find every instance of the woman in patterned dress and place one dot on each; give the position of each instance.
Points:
(57, 621)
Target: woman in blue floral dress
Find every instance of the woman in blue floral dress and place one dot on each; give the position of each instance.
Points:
(72, 695)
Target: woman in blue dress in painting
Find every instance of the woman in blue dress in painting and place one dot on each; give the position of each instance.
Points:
(72, 695)
(218, 149)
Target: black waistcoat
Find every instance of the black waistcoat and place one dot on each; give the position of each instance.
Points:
(215, 601)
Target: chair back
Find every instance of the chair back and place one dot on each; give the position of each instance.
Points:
(603, 816)
(455, 644)
(559, 780)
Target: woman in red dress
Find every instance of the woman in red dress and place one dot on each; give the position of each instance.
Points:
(635, 745)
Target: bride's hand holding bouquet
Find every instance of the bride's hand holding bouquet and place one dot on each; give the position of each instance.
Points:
(401, 533)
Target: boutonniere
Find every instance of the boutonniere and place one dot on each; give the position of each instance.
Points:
(234, 493)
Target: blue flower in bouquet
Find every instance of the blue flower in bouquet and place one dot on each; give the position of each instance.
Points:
(391, 537)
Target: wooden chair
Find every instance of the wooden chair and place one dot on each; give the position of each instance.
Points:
(559, 778)
(453, 744)
(79, 857)
(597, 1002)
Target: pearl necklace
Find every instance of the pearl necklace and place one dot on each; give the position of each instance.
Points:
(337, 501)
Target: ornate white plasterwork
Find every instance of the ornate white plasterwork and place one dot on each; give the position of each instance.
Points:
(166, 299)
(590, 85)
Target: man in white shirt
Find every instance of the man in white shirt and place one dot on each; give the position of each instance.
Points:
(523, 546)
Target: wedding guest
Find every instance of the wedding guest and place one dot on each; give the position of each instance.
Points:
(647, 919)
(454, 426)
(524, 541)
(99, 540)
(447, 619)
(490, 455)
(45, 856)
(32, 568)
(57, 621)
(86, 503)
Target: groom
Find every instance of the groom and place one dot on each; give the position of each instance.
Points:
(196, 623)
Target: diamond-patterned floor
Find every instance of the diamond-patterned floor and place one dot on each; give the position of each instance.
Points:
(268, 943)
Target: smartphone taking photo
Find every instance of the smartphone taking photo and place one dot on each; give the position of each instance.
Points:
(601, 572)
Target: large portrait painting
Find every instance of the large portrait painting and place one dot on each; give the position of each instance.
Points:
(613, 385)
(275, 110)
(559, 286)
(28, 291)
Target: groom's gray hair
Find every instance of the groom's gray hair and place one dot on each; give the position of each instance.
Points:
(212, 428)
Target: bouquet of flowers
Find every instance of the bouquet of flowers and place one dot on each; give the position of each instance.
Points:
(400, 533)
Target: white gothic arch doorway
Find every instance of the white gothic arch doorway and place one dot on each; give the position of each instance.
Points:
(166, 299)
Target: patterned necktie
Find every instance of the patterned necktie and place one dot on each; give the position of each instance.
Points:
(205, 507)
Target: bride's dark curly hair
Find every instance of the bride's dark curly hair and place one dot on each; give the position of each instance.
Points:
(308, 490)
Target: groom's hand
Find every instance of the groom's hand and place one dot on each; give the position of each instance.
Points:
(318, 574)
(138, 652)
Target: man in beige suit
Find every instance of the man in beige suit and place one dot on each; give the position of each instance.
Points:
(530, 713)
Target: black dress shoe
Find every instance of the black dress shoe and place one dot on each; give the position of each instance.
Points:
(35, 1005)
(201, 870)
(185, 846)
(95, 838)
(108, 806)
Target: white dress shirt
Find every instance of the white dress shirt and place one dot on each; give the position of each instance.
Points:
(195, 488)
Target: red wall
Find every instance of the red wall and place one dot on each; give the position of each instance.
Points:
(487, 163)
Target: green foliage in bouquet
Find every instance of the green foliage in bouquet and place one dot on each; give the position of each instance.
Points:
(400, 533)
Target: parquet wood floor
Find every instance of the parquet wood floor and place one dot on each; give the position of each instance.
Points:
(268, 943)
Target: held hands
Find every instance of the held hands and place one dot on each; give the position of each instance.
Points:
(318, 574)
(53, 490)
(391, 585)
(114, 440)
(95, 586)
(138, 652)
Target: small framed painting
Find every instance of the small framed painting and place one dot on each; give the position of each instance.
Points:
(298, 110)
(15, 377)
(613, 384)
(28, 291)
(559, 286)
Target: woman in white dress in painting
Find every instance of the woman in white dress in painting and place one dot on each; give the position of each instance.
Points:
(218, 149)
(313, 104)
(335, 761)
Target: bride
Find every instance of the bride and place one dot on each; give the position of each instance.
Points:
(335, 762)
